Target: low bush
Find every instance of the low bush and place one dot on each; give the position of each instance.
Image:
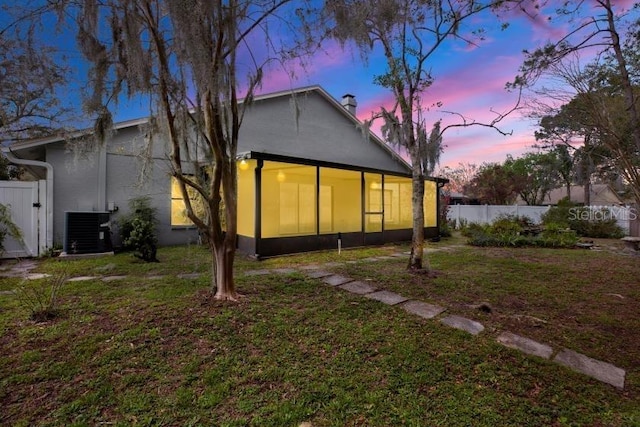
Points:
(138, 230)
(513, 231)
(40, 297)
(585, 221)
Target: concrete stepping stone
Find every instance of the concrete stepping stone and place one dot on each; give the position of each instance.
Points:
(257, 272)
(113, 278)
(155, 277)
(387, 297)
(602, 371)
(399, 255)
(188, 276)
(357, 287)
(81, 278)
(336, 280)
(332, 264)
(317, 274)
(310, 267)
(284, 270)
(464, 324)
(525, 345)
(422, 309)
(36, 276)
(370, 259)
(385, 257)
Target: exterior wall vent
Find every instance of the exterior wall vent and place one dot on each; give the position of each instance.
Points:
(86, 233)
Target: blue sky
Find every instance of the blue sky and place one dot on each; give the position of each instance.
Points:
(469, 80)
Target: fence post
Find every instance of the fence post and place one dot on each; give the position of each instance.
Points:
(634, 221)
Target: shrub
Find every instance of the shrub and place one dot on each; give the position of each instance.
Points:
(138, 229)
(556, 236)
(40, 297)
(445, 229)
(559, 214)
(513, 231)
(586, 222)
(472, 228)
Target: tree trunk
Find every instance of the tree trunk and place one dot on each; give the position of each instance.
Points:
(587, 192)
(223, 255)
(417, 241)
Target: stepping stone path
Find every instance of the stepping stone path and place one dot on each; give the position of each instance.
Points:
(422, 309)
(597, 369)
(387, 297)
(317, 274)
(601, 371)
(113, 278)
(525, 345)
(336, 280)
(464, 324)
(359, 288)
(82, 278)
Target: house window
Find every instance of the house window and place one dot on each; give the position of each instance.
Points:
(179, 216)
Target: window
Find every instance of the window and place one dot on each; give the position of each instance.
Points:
(297, 208)
(340, 205)
(178, 210)
(288, 199)
(397, 203)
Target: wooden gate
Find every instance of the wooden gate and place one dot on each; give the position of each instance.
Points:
(27, 203)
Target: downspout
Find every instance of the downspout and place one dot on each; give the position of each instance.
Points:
(49, 214)
(102, 179)
(439, 185)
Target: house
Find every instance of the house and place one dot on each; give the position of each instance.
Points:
(303, 179)
(600, 195)
(457, 198)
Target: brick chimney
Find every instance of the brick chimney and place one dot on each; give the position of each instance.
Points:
(349, 103)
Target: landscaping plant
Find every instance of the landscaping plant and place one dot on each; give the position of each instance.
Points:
(516, 231)
(585, 221)
(138, 229)
(40, 297)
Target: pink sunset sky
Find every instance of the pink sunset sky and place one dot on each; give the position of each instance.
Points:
(469, 80)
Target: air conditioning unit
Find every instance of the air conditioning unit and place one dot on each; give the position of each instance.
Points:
(87, 233)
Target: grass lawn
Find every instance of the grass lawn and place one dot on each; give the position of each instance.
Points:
(155, 349)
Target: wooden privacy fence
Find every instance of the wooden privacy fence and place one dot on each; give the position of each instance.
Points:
(626, 217)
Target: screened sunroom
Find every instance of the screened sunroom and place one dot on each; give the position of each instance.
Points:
(288, 205)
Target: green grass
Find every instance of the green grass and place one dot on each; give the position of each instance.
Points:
(157, 352)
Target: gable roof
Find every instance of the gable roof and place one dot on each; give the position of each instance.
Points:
(33, 148)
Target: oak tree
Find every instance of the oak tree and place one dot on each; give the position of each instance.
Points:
(199, 64)
(408, 33)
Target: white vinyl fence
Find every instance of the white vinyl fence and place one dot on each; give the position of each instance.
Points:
(485, 214)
